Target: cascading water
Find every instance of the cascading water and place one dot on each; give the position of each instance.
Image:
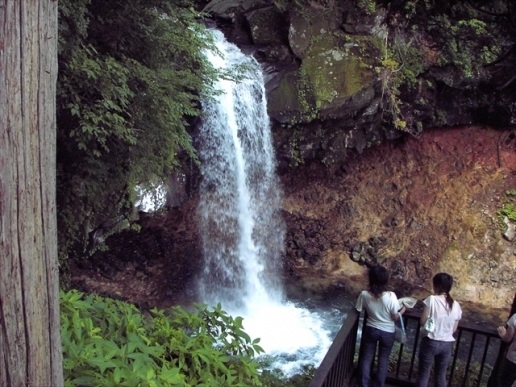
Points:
(240, 223)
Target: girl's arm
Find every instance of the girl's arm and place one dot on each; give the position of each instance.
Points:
(424, 315)
(358, 304)
(395, 316)
(506, 333)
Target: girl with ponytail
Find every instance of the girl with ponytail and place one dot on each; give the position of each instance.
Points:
(437, 345)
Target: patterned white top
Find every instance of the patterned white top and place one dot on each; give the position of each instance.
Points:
(379, 310)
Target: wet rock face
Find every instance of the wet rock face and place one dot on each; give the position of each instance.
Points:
(419, 206)
(352, 199)
(328, 83)
(317, 76)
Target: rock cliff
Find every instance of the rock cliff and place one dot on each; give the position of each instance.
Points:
(416, 205)
(378, 184)
(347, 75)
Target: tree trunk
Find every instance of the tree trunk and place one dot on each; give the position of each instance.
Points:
(30, 343)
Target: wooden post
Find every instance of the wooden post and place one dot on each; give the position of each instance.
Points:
(501, 353)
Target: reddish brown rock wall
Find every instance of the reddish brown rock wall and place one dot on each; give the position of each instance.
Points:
(419, 206)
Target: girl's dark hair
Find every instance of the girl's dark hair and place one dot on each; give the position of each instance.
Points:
(378, 280)
(443, 283)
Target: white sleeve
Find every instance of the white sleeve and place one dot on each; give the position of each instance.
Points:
(395, 305)
(512, 321)
(459, 310)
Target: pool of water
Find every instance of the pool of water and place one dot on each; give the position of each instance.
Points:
(299, 331)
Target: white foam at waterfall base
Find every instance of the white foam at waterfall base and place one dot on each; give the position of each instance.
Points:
(292, 335)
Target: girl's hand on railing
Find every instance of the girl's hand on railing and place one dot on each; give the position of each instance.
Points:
(506, 334)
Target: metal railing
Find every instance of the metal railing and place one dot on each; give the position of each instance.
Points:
(337, 367)
(475, 353)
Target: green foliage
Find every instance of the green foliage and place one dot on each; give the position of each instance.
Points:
(111, 343)
(464, 38)
(310, 105)
(368, 6)
(275, 378)
(400, 66)
(130, 77)
(461, 30)
(295, 153)
(508, 209)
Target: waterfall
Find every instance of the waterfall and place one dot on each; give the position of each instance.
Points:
(239, 213)
(241, 227)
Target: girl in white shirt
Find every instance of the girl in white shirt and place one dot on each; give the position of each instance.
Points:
(382, 310)
(437, 346)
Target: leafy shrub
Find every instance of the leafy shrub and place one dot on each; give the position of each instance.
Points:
(508, 210)
(108, 342)
(276, 378)
(130, 78)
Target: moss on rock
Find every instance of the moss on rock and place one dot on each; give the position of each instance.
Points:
(284, 103)
(338, 72)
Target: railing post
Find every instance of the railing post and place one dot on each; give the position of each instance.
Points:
(501, 353)
(337, 369)
(360, 346)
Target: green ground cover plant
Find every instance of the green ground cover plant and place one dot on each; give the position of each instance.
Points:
(108, 342)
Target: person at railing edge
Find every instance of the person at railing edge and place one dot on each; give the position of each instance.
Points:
(507, 374)
(437, 345)
(383, 310)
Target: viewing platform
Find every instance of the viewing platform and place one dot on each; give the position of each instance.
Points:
(476, 355)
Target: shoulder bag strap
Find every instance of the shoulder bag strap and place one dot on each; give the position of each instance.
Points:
(402, 325)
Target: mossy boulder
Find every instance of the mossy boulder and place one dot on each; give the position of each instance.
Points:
(234, 19)
(310, 27)
(284, 102)
(336, 76)
(330, 83)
